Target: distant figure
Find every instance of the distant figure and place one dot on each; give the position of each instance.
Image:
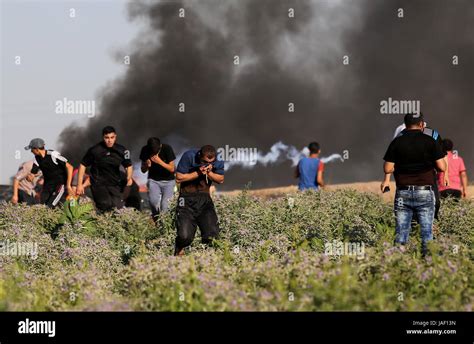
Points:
(24, 191)
(57, 173)
(310, 170)
(457, 174)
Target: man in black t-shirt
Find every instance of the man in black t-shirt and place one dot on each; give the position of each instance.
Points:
(105, 159)
(437, 137)
(57, 173)
(158, 160)
(412, 158)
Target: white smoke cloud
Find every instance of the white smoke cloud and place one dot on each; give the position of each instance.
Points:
(279, 152)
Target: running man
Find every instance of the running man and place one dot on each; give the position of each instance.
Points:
(158, 160)
(105, 159)
(196, 171)
(310, 169)
(57, 173)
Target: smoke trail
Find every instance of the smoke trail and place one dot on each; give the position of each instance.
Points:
(279, 152)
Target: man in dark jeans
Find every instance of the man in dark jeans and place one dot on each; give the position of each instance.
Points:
(437, 137)
(412, 158)
(105, 159)
(196, 171)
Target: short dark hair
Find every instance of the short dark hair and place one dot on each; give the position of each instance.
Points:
(448, 145)
(412, 119)
(154, 144)
(208, 151)
(313, 148)
(108, 130)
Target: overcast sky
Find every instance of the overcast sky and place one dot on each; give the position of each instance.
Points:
(60, 57)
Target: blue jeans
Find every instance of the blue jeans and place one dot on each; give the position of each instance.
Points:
(420, 203)
(160, 193)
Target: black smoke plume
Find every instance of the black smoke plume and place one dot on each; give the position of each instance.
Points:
(286, 60)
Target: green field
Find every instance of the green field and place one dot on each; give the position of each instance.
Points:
(271, 256)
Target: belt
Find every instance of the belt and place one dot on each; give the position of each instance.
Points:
(415, 187)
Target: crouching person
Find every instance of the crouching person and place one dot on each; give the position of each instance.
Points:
(196, 171)
(24, 191)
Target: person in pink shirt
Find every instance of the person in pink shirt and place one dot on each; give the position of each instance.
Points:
(457, 174)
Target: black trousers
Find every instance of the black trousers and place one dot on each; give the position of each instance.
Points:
(193, 210)
(52, 195)
(107, 197)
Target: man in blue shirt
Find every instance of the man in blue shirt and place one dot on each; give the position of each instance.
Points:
(196, 171)
(310, 170)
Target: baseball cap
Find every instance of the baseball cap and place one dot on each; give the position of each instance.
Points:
(35, 143)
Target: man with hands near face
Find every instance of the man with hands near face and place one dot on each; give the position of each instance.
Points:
(158, 160)
(196, 171)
